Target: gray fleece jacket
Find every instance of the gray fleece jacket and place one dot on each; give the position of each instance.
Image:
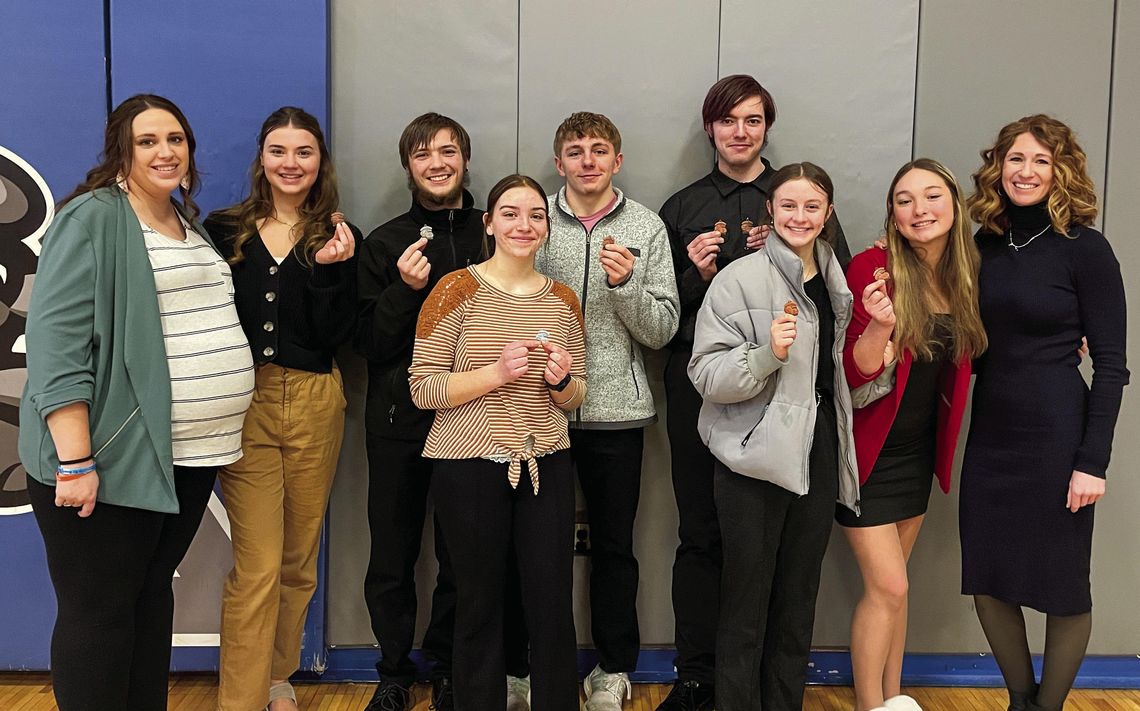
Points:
(619, 320)
(759, 412)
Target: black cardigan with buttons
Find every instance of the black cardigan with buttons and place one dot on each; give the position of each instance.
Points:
(293, 315)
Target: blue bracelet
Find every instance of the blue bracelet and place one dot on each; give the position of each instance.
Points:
(74, 472)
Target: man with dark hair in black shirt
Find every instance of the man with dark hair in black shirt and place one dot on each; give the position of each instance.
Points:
(400, 262)
(717, 219)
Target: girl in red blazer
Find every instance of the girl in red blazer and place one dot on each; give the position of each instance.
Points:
(919, 300)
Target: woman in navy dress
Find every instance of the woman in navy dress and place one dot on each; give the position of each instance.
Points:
(1040, 437)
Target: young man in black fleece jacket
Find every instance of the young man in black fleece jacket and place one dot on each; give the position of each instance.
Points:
(737, 114)
(400, 263)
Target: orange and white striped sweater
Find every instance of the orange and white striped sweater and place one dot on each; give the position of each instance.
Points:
(464, 325)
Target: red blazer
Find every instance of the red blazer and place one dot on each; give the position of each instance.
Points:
(873, 422)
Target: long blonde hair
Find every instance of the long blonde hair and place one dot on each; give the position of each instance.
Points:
(1072, 199)
(956, 274)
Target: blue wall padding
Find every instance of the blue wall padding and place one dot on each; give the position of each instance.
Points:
(52, 113)
(227, 65)
(52, 86)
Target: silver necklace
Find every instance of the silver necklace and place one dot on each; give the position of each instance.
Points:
(1019, 247)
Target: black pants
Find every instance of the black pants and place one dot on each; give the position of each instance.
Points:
(609, 470)
(398, 483)
(481, 516)
(774, 543)
(697, 566)
(112, 573)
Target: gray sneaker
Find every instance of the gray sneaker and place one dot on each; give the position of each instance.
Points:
(518, 693)
(606, 692)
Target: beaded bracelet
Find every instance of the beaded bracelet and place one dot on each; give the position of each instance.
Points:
(64, 474)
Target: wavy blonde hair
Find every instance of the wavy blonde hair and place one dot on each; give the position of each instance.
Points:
(314, 228)
(956, 275)
(1072, 198)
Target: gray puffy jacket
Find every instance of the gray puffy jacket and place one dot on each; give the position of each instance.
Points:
(759, 412)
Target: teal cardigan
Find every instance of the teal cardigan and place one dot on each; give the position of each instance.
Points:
(94, 335)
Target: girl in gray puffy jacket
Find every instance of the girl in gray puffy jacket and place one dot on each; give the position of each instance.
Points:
(767, 359)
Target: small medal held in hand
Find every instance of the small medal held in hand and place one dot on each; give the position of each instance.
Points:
(542, 336)
(426, 232)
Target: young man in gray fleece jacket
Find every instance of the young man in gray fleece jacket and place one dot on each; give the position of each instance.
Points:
(615, 254)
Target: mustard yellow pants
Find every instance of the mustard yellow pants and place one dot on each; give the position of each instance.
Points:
(276, 496)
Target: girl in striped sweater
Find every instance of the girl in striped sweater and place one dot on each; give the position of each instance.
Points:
(500, 356)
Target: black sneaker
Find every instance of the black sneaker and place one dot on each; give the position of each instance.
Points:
(389, 696)
(441, 696)
(688, 696)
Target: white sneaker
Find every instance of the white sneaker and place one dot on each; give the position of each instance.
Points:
(605, 692)
(902, 702)
(518, 693)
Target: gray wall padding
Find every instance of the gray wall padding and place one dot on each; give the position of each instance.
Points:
(861, 87)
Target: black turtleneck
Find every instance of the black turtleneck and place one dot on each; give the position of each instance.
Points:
(1037, 301)
(1026, 221)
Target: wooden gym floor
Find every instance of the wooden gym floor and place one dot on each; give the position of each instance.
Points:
(196, 692)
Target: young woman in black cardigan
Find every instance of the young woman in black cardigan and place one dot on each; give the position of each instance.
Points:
(295, 281)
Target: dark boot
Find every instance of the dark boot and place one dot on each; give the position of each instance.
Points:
(442, 697)
(1022, 700)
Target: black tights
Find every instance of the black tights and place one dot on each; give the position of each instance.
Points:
(1066, 639)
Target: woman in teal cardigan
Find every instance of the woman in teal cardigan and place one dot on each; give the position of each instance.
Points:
(138, 379)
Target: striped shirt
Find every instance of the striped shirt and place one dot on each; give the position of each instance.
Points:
(464, 325)
(211, 368)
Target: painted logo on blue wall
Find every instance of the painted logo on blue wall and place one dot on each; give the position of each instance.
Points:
(26, 210)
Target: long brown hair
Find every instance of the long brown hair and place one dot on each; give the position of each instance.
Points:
(315, 212)
(118, 149)
(956, 275)
(1072, 198)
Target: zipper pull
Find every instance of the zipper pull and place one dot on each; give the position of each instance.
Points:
(392, 414)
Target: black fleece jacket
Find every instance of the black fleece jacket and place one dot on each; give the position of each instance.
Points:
(388, 308)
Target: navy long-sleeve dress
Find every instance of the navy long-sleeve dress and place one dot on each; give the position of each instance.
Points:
(1034, 419)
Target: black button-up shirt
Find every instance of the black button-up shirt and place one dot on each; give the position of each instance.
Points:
(697, 208)
(293, 315)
